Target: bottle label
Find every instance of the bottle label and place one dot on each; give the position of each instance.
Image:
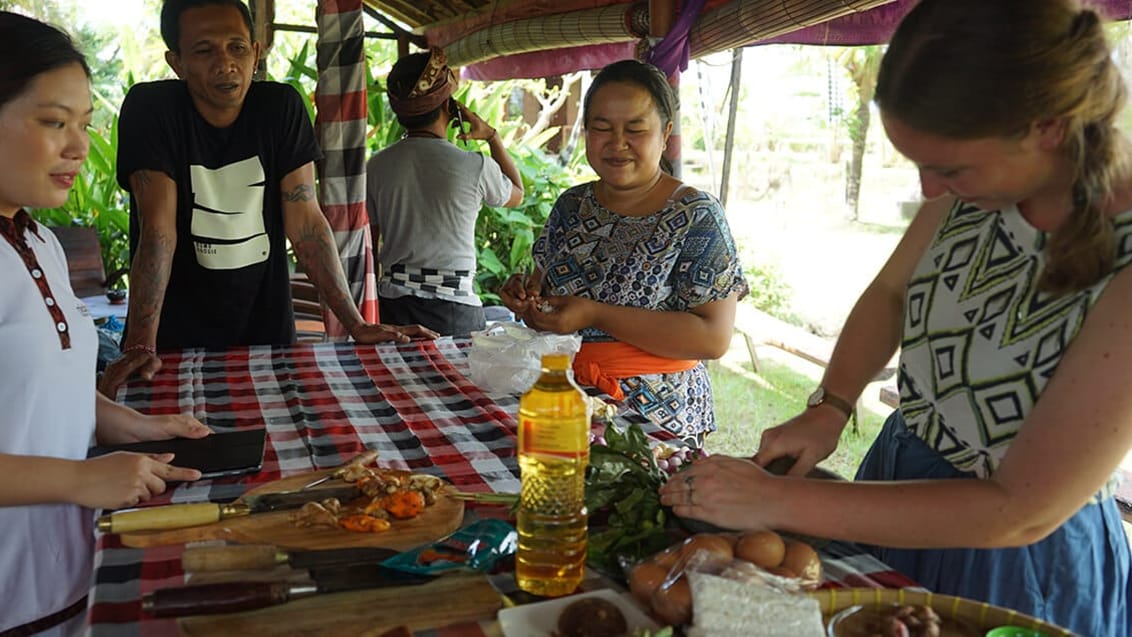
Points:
(562, 439)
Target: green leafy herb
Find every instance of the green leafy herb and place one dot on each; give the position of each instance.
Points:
(626, 517)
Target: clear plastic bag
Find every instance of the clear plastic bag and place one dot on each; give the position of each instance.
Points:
(507, 357)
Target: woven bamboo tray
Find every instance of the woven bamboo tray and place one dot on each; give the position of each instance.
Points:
(978, 614)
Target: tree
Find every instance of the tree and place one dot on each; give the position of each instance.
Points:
(862, 64)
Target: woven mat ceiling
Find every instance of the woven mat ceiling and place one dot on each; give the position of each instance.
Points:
(421, 13)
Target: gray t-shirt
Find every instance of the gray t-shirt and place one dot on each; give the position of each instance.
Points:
(424, 196)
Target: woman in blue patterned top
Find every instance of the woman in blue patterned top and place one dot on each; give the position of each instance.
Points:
(1012, 307)
(642, 265)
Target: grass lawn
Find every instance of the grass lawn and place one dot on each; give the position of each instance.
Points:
(747, 403)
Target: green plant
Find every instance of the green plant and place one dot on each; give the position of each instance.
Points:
(505, 236)
(769, 291)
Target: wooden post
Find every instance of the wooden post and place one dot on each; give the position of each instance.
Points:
(729, 143)
(263, 31)
(662, 13)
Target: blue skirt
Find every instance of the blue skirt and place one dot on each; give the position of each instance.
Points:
(1077, 577)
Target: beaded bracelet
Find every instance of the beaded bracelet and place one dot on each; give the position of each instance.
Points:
(149, 349)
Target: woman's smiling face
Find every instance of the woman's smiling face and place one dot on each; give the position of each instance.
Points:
(990, 172)
(625, 137)
(44, 140)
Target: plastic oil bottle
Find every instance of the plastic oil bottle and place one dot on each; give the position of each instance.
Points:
(554, 424)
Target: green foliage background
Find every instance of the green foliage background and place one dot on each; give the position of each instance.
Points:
(504, 236)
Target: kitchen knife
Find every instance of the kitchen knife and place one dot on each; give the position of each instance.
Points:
(178, 516)
(263, 557)
(360, 460)
(234, 597)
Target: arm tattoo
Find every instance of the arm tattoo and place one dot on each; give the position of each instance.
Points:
(302, 192)
(141, 180)
(149, 276)
(316, 251)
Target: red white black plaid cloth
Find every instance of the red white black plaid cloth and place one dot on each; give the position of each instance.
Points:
(341, 120)
(321, 405)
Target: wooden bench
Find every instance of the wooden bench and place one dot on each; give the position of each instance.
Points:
(309, 325)
(890, 395)
(84, 260)
(760, 329)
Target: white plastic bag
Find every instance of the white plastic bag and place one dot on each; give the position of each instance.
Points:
(507, 357)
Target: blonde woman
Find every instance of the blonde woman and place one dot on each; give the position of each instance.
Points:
(1011, 303)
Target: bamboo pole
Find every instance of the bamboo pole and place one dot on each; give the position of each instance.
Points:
(729, 144)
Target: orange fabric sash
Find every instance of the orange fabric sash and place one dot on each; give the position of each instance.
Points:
(602, 364)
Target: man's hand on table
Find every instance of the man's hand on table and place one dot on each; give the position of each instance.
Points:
(367, 333)
(141, 362)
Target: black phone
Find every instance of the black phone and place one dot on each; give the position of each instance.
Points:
(454, 111)
(218, 454)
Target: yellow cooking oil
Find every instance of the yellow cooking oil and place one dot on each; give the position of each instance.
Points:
(554, 424)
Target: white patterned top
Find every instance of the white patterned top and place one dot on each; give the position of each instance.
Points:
(980, 342)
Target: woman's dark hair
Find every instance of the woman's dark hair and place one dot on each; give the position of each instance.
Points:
(968, 69)
(171, 12)
(30, 48)
(642, 74)
(399, 83)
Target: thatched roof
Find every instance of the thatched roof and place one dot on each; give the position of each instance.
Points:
(496, 39)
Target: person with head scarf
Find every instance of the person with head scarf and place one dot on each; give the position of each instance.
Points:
(423, 195)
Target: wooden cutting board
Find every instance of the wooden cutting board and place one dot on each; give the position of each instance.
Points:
(451, 599)
(437, 521)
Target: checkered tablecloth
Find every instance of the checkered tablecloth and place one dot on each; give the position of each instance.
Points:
(322, 404)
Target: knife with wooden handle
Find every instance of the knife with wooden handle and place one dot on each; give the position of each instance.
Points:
(179, 516)
(360, 460)
(264, 557)
(234, 597)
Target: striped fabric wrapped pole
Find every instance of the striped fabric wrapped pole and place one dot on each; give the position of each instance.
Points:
(340, 101)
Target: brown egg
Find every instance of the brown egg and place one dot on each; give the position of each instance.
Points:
(782, 572)
(803, 560)
(666, 558)
(644, 579)
(763, 548)
(673, 605)
(717, 546)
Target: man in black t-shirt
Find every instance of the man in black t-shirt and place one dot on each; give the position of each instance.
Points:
(220, 172)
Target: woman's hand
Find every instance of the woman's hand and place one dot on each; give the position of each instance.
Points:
(521, 292)
(121, 479)
(562, 315)
(119, 424)
(808, 437)
(733, 493)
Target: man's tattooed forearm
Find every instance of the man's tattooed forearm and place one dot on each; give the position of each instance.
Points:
(302, 192)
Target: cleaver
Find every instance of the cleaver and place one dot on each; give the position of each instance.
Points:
(178, 516)
(235, 597)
